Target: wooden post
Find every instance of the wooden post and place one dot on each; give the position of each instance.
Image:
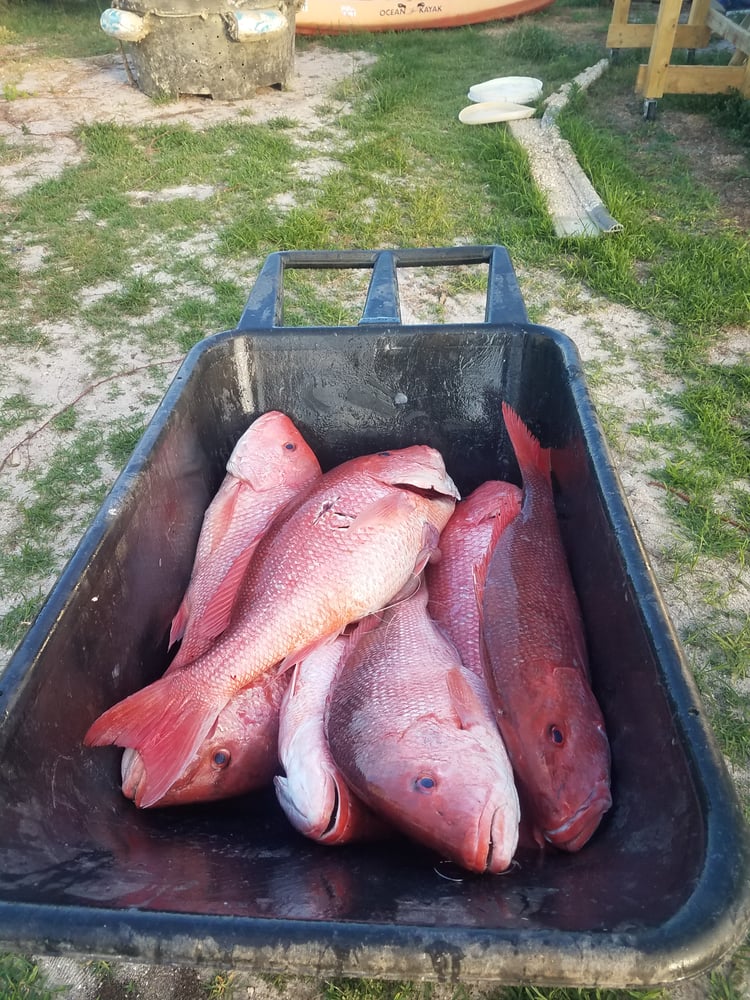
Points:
(659, 76)
(661, 49)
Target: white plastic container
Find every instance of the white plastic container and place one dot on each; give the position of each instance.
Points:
(519, 89)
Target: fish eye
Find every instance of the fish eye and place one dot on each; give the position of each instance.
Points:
(424, 783)
(385, 454)
(221, 759)
(556, 735)
(290, 446)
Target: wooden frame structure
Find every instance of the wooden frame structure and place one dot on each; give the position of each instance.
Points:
(659, 76)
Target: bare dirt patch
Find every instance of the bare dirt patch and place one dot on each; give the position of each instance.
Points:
(57, 95)
(715, 162)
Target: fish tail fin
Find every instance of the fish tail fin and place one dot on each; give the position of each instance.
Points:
(166, 723)
(529, 453)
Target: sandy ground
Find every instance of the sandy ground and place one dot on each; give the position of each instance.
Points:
(41, 125)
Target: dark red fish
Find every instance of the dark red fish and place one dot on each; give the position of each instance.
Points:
(465, 543)
(537, 666)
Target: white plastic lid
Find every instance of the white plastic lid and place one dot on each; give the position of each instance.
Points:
(520, 89)
(493, 111)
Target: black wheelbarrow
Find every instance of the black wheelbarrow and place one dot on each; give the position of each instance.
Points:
(659, 894)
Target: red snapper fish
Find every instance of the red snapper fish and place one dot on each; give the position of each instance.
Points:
(344, 548)
(312, 791)
(269, 465)
(475, 525)
(417, 745)
(537, 667)
(238, 755)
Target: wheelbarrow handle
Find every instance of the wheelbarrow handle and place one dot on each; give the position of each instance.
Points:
(264, 309)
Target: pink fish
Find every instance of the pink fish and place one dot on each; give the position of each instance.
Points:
(414, 741)
(238, 755)
(269, 465)
(537, 666)
(345, 547)
(473, 530)
(313, 792)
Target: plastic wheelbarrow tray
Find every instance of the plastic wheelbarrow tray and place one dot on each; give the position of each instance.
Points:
(661, 891)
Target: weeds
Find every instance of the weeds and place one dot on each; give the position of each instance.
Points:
(221, 986)
(20, 979)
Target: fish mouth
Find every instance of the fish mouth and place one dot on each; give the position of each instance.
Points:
(337, 819)
(497, 856)
(576, 831)
(132, 772)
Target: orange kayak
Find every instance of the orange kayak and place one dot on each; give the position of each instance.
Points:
(330, 17)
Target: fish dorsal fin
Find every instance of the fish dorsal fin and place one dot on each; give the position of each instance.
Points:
(468, 707)
(218, 613)
(481, 568)
(216, 522)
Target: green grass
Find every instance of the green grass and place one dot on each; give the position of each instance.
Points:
(16, 410)
(68, 29)
(20, 979)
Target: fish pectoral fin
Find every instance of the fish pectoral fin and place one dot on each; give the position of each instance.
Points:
(180, 620)
(468, 707)
(216, 521)
(408, 590)
(297, 655)
(481, 568)
(502, 504)
(218, 518)
(430, 552)
(218, 613)
(386, 509)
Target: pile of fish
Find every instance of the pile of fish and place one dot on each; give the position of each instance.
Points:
(390, 656)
